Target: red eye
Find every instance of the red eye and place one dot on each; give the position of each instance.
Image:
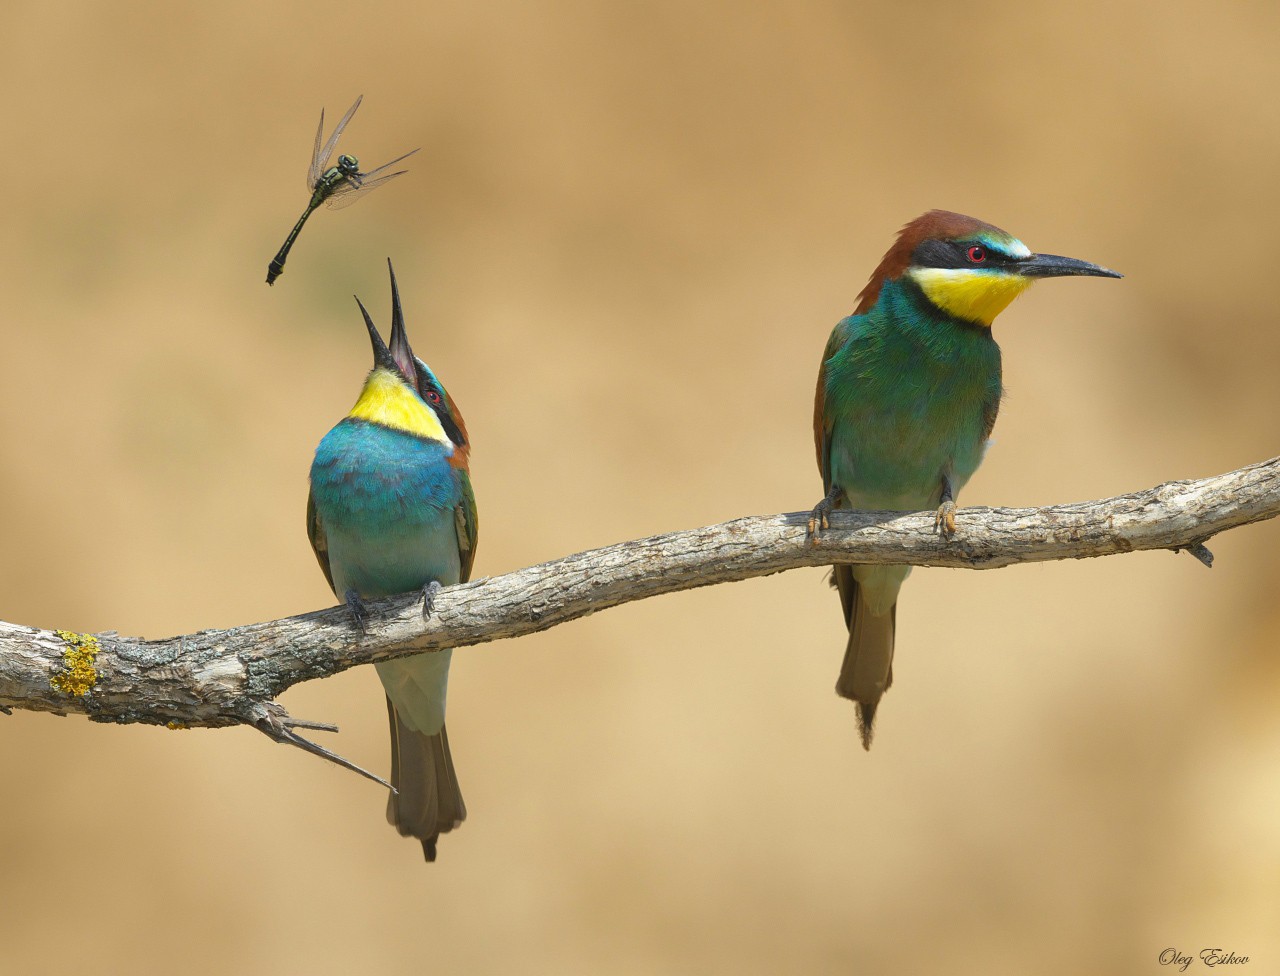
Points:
(433, 397)
(977, 254)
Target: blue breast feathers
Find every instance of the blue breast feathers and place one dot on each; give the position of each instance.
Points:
(368, 477)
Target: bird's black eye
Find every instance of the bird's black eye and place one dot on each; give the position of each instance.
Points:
(976, 254)
(434, 398)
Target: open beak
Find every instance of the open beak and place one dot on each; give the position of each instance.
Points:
(398, 356)
(382, 357)
(400, 350)
(1056, 266)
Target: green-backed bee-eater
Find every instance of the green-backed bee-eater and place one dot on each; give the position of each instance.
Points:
(391, 511)
(907, 395)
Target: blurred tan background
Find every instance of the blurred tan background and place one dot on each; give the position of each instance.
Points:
(623, 245)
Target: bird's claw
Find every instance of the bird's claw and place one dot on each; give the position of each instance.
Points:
(819, 519)
(429, 594)
(944, 523)
(357, 610)
(817, 522)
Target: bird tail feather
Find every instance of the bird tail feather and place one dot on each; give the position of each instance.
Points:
(427, 801)
(867, 671)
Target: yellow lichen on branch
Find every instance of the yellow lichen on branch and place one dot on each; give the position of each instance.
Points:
(80, 675)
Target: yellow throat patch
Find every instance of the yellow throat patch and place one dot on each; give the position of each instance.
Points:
(975, 296)
(387, 401)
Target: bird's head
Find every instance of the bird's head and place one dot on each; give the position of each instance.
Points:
(402, 393)
(967, 268)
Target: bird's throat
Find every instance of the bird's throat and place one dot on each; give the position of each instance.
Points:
(975, 296)
(387, 401)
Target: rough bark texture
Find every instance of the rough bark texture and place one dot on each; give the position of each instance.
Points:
(229, 677)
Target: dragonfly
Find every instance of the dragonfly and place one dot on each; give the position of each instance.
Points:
(338, 186)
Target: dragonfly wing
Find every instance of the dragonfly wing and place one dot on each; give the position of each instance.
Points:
(317, 164)
(366, 177)
(349, 193)
(321, 161)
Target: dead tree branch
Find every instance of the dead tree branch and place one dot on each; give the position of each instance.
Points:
(229, 677)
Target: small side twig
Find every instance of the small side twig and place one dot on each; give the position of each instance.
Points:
(276, 724)
(1201, 552)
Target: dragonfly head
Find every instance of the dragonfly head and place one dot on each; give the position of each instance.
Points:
(348, 164)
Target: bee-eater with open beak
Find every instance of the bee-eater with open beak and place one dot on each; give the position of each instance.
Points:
(391, 511)
(907, 396)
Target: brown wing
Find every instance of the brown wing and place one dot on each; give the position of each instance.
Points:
(315, 532)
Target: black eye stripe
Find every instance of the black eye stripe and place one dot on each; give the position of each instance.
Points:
(434, 395)
(955, 254)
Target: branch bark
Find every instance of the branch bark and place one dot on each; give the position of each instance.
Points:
(218, 678)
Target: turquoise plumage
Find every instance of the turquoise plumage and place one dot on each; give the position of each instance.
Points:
(907, 395)
(906, 401)
(392, 511)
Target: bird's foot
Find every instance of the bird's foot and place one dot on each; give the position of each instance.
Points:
(944, 523)
(819, 518)
(429, 594)
(359, 614)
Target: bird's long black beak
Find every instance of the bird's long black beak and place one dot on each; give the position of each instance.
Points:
(398, 356)
(381, 354)
(400, 349)
(1056, 266)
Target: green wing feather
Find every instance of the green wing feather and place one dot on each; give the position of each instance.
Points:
(319, 543)
(989, 411)
(821, 421)
(468, 526)
(841, 576)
